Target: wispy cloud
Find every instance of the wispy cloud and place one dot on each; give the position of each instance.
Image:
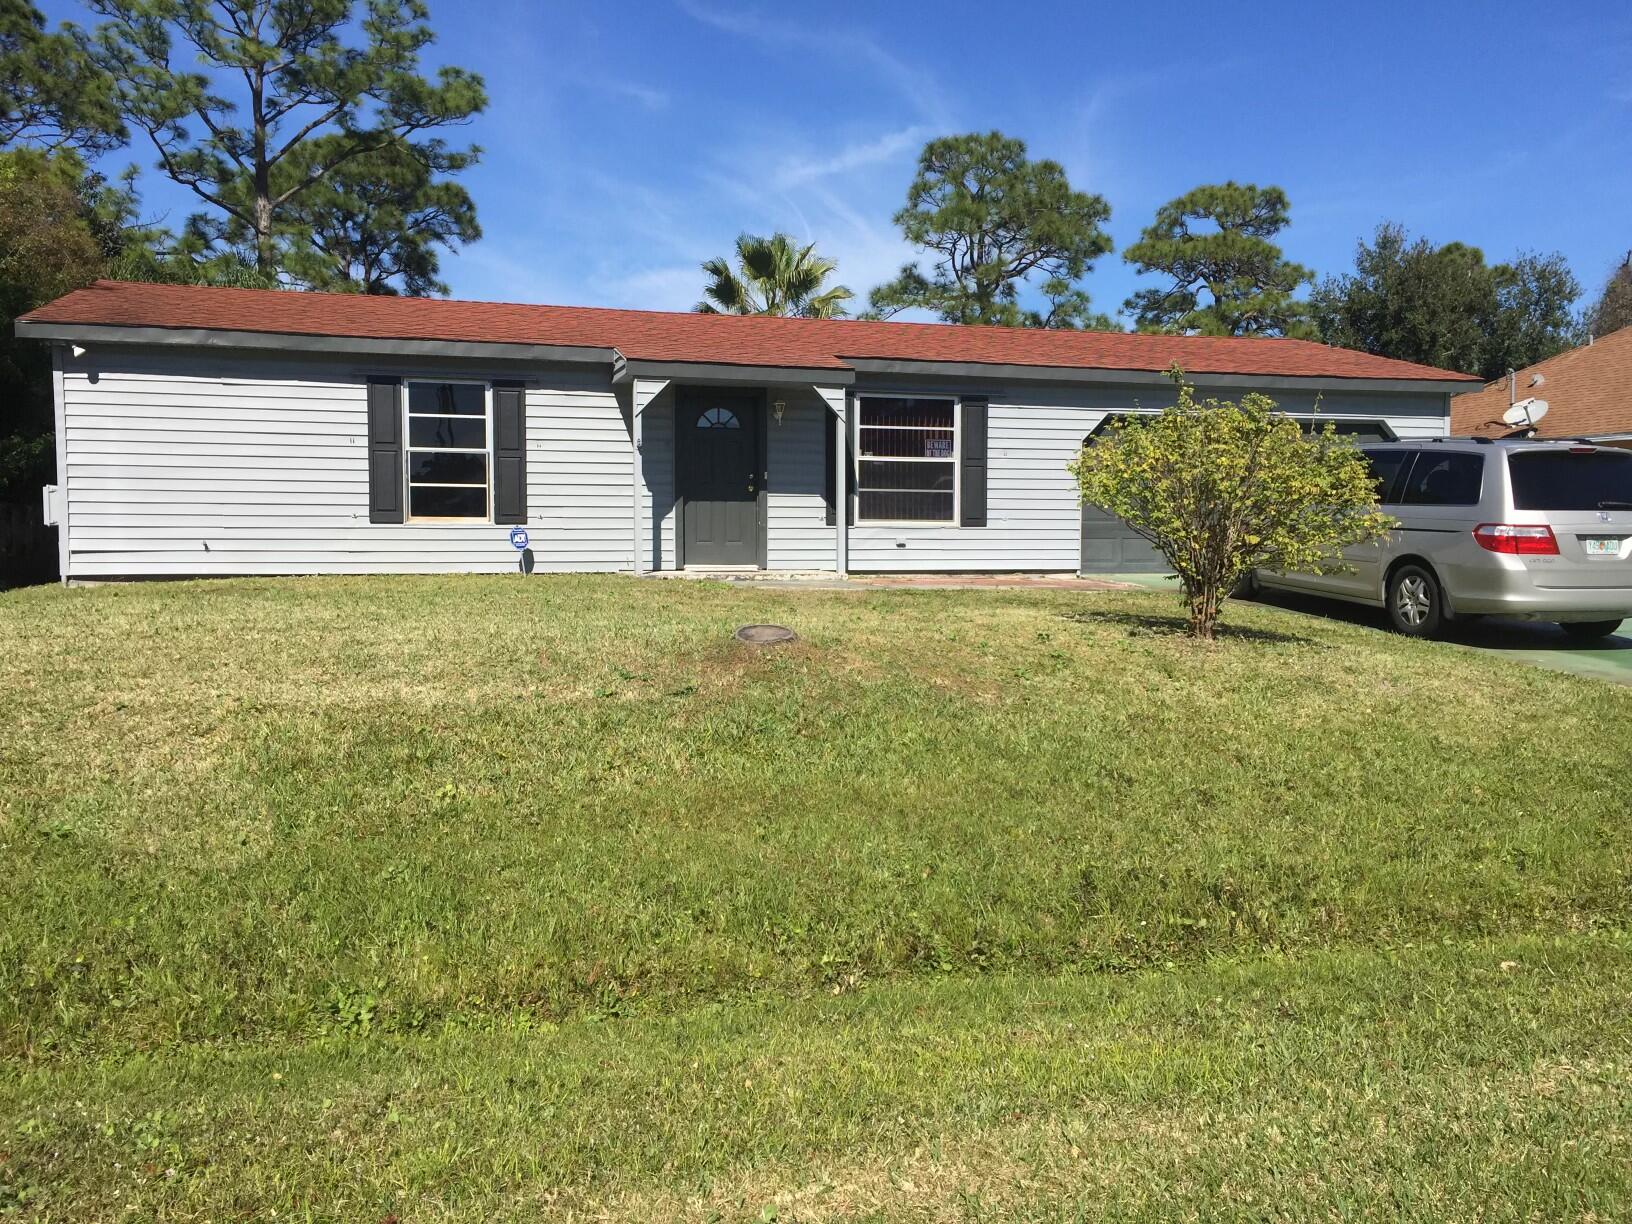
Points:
(840, 197)
(1095, 132)
(650, 97)
(660, 218)
(672, 287)
(1432, 194)
(869, 251)
(794, 171)
(918, 86)
(511, 270)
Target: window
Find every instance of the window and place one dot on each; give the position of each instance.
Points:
(1386, 466)
(447, 450)
(1362, 431)
(718, 418)
(1568, 480)
(906, 459)
(1444, 478)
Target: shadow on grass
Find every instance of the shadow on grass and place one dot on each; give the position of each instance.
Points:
(1486, 633)
(1177, 626)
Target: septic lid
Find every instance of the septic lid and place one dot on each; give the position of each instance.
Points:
(766, 635)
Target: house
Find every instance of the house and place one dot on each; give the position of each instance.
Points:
(232, 431)
(1588, 391)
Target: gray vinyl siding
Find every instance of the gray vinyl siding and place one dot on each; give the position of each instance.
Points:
(1034, 518)
(193, 463)
(197, 462)
(579, 469)
(799, 535)
(657, 513)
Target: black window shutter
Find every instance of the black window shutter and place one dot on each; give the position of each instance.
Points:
(973, 476)
(509, 452)
(385, 471)
(830, 423)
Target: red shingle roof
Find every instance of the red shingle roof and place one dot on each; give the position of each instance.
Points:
(1588, 392)
(644, 335)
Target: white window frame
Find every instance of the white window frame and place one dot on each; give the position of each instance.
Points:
(409, 450)
(956, 461)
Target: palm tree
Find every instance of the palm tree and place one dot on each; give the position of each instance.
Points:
(774, 276)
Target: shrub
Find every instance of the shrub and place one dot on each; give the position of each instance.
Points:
(1221, 488)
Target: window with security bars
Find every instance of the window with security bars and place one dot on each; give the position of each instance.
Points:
(906, 459)
(447, 452)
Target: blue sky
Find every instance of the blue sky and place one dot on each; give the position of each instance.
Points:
(627, 143)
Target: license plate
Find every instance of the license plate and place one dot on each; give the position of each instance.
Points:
(1601, 546)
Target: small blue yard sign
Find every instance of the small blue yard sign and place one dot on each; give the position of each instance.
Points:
(518, 538)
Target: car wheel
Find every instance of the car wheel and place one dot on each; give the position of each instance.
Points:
(1589, 631)
(1415, 605)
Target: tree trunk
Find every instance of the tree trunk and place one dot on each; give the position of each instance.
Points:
(265, 257)
(1204, 603)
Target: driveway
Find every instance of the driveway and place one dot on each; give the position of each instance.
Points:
(1537, 642)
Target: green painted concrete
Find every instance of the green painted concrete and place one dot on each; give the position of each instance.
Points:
(1539, 643)
(1546, 646)
(1154, 582)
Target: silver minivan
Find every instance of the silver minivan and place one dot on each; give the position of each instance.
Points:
(1535, 529)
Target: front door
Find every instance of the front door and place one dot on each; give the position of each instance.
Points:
(719, 477)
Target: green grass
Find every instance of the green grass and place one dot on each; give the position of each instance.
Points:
(474, 898)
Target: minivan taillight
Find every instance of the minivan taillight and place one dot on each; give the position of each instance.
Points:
(1523, 541)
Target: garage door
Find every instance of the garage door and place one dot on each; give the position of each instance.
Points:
(1110, 546)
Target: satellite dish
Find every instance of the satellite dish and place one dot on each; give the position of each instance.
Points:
(1525, 412)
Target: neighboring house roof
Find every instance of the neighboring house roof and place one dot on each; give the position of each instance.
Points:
(1588, 392)
(656, 336)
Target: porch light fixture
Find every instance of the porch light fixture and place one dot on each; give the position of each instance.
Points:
(777, 409)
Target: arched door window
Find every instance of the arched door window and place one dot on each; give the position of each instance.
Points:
(718, 418)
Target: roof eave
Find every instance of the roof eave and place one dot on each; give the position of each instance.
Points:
(295, 342)
(1084, 374)
(627, 369)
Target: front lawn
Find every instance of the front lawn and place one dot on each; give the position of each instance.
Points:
(470, 898)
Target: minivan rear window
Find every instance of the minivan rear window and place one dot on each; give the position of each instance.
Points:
(1562, 480)
(1444, 478)
(1385, 468)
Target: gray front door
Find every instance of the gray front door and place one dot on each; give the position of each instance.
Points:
(719, 478)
